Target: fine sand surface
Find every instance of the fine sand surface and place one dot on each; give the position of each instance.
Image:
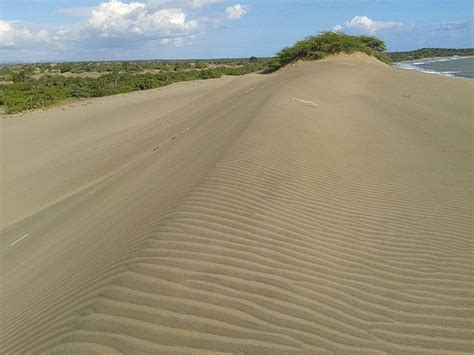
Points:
(325, 208)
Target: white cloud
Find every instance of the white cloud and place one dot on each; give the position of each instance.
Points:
(124, 25)
(367, 25)
(175, 42)
(193, 4)
(116, 19)
(14, 36)
(236, 12)
(201, 3)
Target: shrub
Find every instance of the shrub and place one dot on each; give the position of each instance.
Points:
(26, 93)
(200, 64)
(27, 100)
(327, 43)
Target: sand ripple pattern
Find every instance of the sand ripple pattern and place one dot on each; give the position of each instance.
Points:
(280, 250)
(317, 231)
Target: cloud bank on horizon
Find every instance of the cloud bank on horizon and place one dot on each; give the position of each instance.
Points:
(146, 28)
(164, 20)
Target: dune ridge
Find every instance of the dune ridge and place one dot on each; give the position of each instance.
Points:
(279, 227)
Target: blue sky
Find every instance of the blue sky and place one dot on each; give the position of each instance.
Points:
(35, 30)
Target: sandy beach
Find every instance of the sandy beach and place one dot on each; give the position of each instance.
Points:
(325, 208)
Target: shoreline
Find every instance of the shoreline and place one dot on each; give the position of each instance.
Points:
(435, 59)
(415, 63)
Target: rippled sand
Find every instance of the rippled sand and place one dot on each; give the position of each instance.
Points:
(325, 208)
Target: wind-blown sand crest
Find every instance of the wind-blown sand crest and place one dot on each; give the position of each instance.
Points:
(261, 224)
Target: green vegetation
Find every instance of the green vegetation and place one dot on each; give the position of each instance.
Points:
(430, 53)
(327, 43)
(32, 86)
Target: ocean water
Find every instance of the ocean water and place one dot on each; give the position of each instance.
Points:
(462, 67)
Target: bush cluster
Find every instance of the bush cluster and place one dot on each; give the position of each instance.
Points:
(327, 43)
(26, 93)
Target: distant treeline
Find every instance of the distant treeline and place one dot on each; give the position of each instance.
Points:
(33, 86)
(429, 53)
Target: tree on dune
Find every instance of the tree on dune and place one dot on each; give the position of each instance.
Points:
(327, 43)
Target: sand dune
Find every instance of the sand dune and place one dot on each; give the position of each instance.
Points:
(238, 219)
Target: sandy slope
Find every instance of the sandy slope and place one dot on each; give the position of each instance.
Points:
(325, 208)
